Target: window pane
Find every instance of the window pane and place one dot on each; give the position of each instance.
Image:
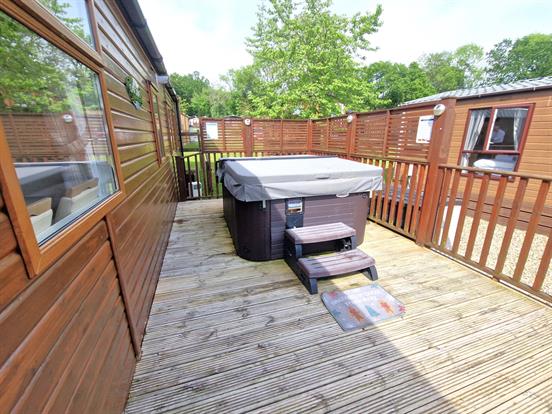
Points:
(52, 115)
(504, 162)
(157, 116)
(507, 129)
(477, 129)
(74, 14)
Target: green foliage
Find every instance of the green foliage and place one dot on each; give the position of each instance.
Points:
(199, 98)
(242, 84)
(396, 83)
(462, 68)
(187, 87)
(527, 57)
(35, 76)
(307, 59)
(133, 91)
(76, 24)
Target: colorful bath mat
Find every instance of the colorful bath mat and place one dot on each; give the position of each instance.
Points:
(361, 307)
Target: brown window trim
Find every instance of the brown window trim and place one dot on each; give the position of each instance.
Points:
(158, 134)
(529, 105)
(39, 258)
(171, 119)
(40, 20)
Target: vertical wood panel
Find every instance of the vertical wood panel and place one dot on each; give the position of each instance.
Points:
(68, 335)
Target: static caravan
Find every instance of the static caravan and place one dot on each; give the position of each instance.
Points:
(504, 128)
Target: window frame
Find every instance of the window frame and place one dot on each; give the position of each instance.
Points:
(157, 130)
(38, 258)
(530, 106)
(170, 115)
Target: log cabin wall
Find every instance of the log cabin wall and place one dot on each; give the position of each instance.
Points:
(140, 225)
(70, 336)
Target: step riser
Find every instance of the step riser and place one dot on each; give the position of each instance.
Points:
(308, 270)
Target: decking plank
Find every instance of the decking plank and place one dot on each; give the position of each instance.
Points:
(228, 335)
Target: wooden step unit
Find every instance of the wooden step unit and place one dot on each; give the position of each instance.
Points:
(320, 233)
(336, 264)
(347, 260)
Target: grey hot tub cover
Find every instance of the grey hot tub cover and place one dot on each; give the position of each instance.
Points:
(258, 179)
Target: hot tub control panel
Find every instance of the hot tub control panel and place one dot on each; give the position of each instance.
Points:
(294, 212)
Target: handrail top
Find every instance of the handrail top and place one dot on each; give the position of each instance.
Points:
(496, 172)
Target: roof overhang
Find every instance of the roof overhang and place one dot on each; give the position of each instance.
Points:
(135, 18)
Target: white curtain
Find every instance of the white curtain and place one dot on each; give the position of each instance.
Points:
(476, 125)
(518, 115)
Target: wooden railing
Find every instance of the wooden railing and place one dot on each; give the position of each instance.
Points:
(499, 222)
(190, 176)
(399, 203)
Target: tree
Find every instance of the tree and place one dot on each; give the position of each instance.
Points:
(213, 102)
(469, 59)
(396, 83)
(459, 69)
(242, 84)
(527, 57)
(308, 59)
(187, 87)
(35, 75)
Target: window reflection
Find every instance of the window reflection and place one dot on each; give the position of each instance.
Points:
(74, 14)
(52, 115)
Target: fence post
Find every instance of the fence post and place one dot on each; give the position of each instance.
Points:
(309, 136)
(325, 147)
(281, 136)
(438, 153)
(351, 133)
(246, 138)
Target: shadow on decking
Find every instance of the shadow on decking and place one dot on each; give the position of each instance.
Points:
(228, 335)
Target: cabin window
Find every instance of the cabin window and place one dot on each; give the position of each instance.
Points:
(52, 115)
(156, 118)
(74, 14)
(494, 138)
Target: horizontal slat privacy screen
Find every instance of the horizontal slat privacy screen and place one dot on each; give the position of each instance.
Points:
(383, 133)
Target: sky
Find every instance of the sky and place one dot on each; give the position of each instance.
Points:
(209, 35)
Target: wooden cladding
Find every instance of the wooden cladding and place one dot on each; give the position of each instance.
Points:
(390, 134)
(69, 325)
(82, 320)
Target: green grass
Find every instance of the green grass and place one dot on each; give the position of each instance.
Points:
(202, 178)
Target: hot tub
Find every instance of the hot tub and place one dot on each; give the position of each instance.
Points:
(264, 196)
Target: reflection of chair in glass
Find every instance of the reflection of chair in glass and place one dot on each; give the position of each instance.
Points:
(41, 214)
(77, 197)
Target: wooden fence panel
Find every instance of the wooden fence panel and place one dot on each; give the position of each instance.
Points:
(320, 135)
(295, 135)
(338, 135)
(369, 134)
(229, 134)
(401, 137)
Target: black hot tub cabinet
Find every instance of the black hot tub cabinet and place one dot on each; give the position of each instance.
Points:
(264, 196)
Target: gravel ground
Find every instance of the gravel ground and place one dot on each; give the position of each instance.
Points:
(533, 261)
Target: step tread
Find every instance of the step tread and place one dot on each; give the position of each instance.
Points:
(336, 264)
(320, 233)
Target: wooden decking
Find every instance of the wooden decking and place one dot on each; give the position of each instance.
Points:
(226, 335)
